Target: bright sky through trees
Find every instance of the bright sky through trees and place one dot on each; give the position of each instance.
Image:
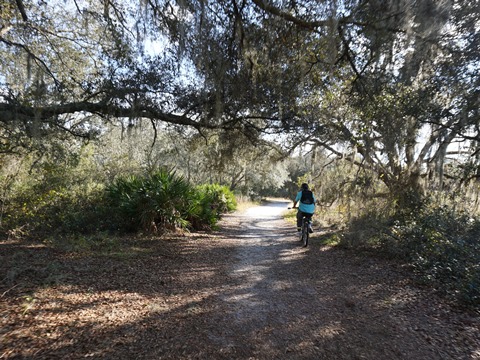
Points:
(370, 76)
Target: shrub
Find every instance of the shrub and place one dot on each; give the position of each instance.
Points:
(154, 202)
(55, 208)
(211, 201)
(164, 200)
(58, 192)
(219, 197)
(61, 203)
(442, 246)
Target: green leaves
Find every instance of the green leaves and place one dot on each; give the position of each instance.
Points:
(211, 201)
(164, 200)
(157, 200)
(440, 243)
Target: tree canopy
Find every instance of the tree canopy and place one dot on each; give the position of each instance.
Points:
(388, 85)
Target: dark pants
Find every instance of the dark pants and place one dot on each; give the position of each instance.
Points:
(300, 215)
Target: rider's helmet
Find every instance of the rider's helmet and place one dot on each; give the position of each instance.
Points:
(304, 186)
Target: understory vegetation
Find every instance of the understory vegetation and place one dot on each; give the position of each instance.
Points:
(73, 198)
(166, 200)
(437, 235)
(439, 243)
(83, 199)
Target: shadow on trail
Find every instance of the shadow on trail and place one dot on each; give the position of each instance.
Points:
(252, 292)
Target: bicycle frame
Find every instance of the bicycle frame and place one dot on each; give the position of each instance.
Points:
(304, 234)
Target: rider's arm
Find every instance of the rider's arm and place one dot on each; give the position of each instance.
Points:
(297, 199)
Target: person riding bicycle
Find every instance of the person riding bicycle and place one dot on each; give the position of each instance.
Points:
(307, 200)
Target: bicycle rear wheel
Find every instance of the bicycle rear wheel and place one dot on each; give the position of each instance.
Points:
(305, 234)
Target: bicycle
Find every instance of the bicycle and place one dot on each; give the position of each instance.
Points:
(304, 232)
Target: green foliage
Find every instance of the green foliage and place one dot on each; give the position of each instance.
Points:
(218, 196)
(160, 200)
(58, 195)
(211, 201)
(165, 200)
(68, 196)
(442, 246)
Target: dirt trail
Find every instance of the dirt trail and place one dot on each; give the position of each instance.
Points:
(249, 291)
(320, 303)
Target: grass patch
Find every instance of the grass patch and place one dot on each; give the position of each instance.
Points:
(291, 216)
(329, 239)
(244, 203)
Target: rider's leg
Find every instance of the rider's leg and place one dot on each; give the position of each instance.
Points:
(299, 220)
(310, 229)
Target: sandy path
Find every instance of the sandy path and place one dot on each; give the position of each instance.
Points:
(318, 303)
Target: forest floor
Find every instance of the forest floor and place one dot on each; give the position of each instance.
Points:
(247, 291)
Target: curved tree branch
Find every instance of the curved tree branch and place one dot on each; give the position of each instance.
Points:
(21, 8)
(10, 112)
(310, 25)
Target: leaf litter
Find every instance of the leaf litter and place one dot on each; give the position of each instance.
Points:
(247, 291)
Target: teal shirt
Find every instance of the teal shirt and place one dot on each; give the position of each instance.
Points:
(306, 208)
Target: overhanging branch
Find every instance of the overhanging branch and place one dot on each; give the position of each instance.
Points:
(310, 25)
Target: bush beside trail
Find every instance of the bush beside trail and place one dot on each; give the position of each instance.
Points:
(164, 200)
(210, 201)
(441, 245)
(148, 203)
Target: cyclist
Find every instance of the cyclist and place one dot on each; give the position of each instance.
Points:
(307, 200)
